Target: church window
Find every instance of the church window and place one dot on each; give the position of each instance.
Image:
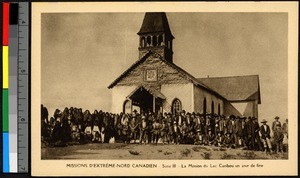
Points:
(176, 106)
(154, 40)
(219, 109)
(148, 40)
(160, 40)
(127, 107)
(212, 107)
(204, 106)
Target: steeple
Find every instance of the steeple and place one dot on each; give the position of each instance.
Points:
(155, 35)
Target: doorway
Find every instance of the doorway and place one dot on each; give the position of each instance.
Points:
(146, 101)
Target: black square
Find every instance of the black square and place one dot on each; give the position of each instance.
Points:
(13, 13)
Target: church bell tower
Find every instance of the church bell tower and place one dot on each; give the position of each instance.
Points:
(155, 35)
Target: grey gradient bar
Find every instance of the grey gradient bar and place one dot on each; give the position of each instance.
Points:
(12, 97)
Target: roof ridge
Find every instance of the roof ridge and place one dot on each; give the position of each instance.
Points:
(234, 76)
(130, 68)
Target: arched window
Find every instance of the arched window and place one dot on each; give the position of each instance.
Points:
(219, 109)
(148, 40)
(143, 42)
(212, 107)
(176, 106)
(160, 40)
(154, 40)
(127, 107)
(204, 106)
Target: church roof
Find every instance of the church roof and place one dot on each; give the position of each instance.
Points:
(172, 65)
(235, 88)
(155, 22)
(152, 91)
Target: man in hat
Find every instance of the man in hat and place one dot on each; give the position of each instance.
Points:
(258, 144)
(265, 135)
(198, 138)
(222, 125)
(133, 125)
(275, 123)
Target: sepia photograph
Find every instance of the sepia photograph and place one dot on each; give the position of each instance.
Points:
(164, 85)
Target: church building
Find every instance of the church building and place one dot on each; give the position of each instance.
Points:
(155, 83)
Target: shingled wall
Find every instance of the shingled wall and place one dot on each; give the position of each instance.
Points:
(165, 73)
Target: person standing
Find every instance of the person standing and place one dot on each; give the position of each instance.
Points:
(133, 129)
(164, 131)
(285, 130)
(176, 132)
(238, 130)
(155, 131)
(265, 135)
(278, 138)
(258, 145)
(143, 130)
(275, 123)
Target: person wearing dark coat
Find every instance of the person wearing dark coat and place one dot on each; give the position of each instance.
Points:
(238, 130)
(258, 144)
(250, 133)
(278, 138)
(265, 135)
(176, 132)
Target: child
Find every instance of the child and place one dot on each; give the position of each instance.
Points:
(219, 140)
(228, 140)
(198, 138)
(96, 133)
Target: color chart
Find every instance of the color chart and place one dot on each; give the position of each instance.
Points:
(15, 86)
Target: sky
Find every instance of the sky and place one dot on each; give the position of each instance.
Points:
(82, 53)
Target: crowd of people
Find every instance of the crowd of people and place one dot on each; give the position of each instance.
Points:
(72, 125)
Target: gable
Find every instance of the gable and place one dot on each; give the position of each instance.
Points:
(165, 74)
(168, 73)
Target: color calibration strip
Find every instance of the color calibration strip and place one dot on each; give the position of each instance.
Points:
(5, 83)
(10, 87)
